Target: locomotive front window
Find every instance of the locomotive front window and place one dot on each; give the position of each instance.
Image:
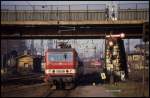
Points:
(60, 57)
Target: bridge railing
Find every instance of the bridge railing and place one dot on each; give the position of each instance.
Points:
(133, 11)
(53, 12)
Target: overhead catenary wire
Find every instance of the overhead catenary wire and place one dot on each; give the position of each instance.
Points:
(30, 4)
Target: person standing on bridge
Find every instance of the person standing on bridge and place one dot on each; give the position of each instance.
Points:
(113, 13)
(107, 13)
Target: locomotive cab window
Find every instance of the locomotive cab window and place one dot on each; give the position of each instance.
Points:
(60, 56)
(65, 56)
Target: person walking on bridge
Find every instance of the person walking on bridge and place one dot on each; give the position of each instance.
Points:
(107, 13)
(113, 13)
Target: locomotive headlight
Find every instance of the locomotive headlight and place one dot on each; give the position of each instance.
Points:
(47, 71)
(72, 71)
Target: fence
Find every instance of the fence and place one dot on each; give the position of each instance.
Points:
(53, 12)
(133, 11)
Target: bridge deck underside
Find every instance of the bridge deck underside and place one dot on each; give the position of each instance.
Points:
(75, 31)
(85, 22)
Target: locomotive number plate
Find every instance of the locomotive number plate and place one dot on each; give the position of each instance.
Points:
(60, 71)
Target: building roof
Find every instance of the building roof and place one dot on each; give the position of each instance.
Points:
(24, 56)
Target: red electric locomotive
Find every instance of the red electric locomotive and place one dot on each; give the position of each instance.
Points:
(63, 67)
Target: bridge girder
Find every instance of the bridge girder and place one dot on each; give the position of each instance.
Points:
(85, 31)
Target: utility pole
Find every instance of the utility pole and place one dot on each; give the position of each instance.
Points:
(2, 61)
(145, 39)
(128, 46)
(128, 52)
(144, 68)
(42, 48)
(74, 43)
(6, 53)
(32, 46)
(95, 51)
(56, 43)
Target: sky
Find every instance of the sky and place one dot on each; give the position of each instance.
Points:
(85, 46)
(83, 43)
(108, 3)
(65, 2)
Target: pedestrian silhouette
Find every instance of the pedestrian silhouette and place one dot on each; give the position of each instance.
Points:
(107, 13)
(113, 13)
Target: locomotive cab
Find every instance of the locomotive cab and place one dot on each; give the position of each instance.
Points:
(62, 66)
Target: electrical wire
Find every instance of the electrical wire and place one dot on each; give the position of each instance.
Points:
(29, 4)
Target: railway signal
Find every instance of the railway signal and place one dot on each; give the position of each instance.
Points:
(111, 43)
(113, 37)
(122, 35)
(115, 56)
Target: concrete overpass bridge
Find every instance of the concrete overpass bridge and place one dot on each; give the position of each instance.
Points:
(71, 21)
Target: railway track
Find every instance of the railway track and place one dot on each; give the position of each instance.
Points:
(25, 87)
(49, 92)
(24, 79)
(36, 90)
(57, 93)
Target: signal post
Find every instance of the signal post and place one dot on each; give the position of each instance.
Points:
(115, 58)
